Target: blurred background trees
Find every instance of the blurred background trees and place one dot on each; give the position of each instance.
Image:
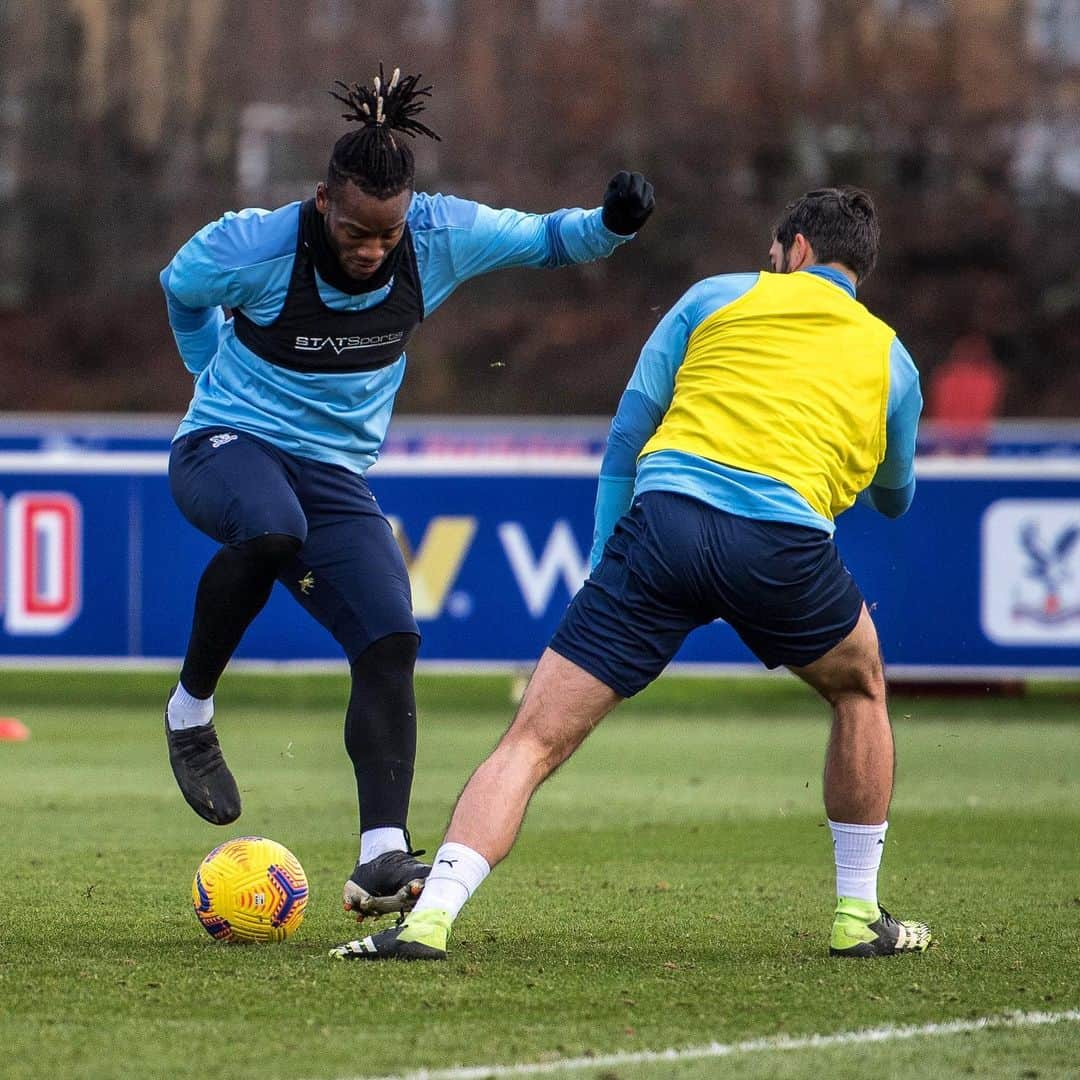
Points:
(126, 125)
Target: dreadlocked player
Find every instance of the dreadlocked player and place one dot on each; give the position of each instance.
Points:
(292, 400)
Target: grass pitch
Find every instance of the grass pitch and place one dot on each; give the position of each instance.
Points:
(672, 887)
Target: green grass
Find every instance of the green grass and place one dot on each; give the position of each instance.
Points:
(672, 887)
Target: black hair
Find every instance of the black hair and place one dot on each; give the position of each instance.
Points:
(370, 157)
(839, 222)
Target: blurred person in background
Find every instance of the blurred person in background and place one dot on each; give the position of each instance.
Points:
(965, 394)
(762, 406)
(293, 394)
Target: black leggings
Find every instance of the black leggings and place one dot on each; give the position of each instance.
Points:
(380, 729)
(233, 589)
(380, 722)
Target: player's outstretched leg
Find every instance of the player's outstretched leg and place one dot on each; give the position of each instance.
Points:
(200, 770)
(562, 704)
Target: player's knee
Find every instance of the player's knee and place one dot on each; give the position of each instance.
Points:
(271, 550)
(870, 685)
(546, 743)
(391, 656)
(864, 679)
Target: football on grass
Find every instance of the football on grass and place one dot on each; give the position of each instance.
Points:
(250, 889)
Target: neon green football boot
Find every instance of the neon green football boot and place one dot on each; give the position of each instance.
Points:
(422, 936)
(864, 929)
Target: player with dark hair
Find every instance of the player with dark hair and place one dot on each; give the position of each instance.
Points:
(761, 407)
(293, 395)
(839, 224)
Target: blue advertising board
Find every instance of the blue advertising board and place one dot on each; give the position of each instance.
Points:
(980, 578)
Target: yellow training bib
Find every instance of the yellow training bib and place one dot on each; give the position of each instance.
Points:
(791, 380)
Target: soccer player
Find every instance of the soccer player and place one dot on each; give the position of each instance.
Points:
(293, 394)
(762, 406)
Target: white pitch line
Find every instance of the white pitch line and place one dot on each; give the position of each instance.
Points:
(717, 1050)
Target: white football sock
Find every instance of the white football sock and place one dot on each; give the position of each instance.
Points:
(858, 849)
(455, 875)
(185, 711)
(376, 842)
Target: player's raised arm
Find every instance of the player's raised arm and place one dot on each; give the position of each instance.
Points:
(505, 238)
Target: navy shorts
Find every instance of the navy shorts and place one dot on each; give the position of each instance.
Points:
(349, 573)
(674, 563)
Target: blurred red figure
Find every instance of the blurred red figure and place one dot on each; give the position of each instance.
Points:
(965, 394)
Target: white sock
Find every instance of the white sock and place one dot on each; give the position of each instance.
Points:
(376, 842)
(858, 849)
(455, 875)
(185, 711)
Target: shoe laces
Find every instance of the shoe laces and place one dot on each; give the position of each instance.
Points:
(409, 848)
(199, 747)
(886, 918)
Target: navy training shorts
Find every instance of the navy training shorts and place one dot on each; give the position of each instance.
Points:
(674, 563)
(349, 574)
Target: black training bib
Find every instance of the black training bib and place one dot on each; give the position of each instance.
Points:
(308, 336)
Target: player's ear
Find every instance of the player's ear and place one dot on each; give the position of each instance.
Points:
(800, 254)
(322, 197)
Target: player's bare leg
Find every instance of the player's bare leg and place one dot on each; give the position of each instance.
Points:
(859, 768)
(859, 762)
(562, 704)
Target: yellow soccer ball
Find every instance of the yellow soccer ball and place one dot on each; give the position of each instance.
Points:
(250, 889)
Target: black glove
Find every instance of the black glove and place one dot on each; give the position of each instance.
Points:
(628, 203)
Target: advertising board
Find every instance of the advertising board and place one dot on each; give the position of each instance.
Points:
(980, 578)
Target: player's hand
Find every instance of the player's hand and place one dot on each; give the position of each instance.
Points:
(628, 203)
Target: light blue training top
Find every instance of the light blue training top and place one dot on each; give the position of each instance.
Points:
(648, 396)
(244, 260)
